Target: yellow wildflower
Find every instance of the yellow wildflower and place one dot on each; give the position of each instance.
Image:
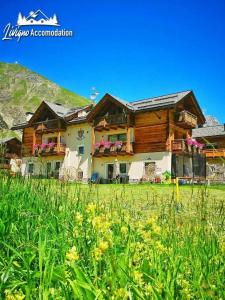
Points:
(97, 222)
(97, 253)
(75, 233)
(222, 246)
(103, 246)
(91, 208)
(16, 295)
(151, 220)
(126, 217)
(159, 247)
(156, 229)
(72, 255)
(138, 277)
(79, 218)
(52, 291)
(121, 294)
(124, 230)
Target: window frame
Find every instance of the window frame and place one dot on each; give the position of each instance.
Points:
(118, 137)
(31, 164)
(123, 163)
(79, 152)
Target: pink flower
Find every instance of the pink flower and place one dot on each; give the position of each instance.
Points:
(97, 145)
(201, 146)
(195, 143)
(118, 144)
(189, 142)
(107, 145)
(43, 146)
(51, 145)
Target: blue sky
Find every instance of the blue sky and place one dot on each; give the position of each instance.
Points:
(132, 49)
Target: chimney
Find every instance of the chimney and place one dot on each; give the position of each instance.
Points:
(29, 115)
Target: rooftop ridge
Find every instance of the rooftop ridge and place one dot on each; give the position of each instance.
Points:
(161, 96)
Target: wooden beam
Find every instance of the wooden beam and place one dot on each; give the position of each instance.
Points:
(58, 141)
(128, 139)
(34, 141)
(93, 140)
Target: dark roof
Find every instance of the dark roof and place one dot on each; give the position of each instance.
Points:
(153, 102)
(58, 109)
(8, 139)
(157, 102)
(124, 102)
(61, 111)
(19, 126)
(78, 120)
(208, 131)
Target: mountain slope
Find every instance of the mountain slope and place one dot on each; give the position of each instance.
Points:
(22, 90)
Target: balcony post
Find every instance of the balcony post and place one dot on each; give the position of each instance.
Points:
(93, 140)
(58, 142)
(34, 141)
(128, 139)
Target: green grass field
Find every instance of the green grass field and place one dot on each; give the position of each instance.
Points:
(73, 241)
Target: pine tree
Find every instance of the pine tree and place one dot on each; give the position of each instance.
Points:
(55, 21)
(20, 19)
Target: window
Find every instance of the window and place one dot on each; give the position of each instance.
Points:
(81, 150)
(80, 175)
(112, 138)
(117, 137)
(48, 168)
(52, 140)
(57, 165)
(149, 170)
(123, 168)
(31, 168)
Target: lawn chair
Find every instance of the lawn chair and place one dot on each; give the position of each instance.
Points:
(95, 178)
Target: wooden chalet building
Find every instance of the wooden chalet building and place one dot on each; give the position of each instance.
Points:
(10, 154)
(213, 138)
(137, 141)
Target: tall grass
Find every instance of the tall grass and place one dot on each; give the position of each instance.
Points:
(68, 241)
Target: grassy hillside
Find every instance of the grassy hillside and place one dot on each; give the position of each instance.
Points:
(23, 90)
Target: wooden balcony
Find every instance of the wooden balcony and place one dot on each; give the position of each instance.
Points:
(113, 149)
(181, 146)
(49, 150)
(185, 119)
(49, 126)
(113, 121)
(5, 166)
(214, 153)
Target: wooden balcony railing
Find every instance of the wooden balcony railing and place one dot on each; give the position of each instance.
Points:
(212, 153)
(181, 145)
(113, 149)
(185, 119)
(119, 120)
(5, 166)
(49, 126)
(49, 149)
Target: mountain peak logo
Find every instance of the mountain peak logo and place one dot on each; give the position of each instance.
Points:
(27, 27)
(37, 18)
